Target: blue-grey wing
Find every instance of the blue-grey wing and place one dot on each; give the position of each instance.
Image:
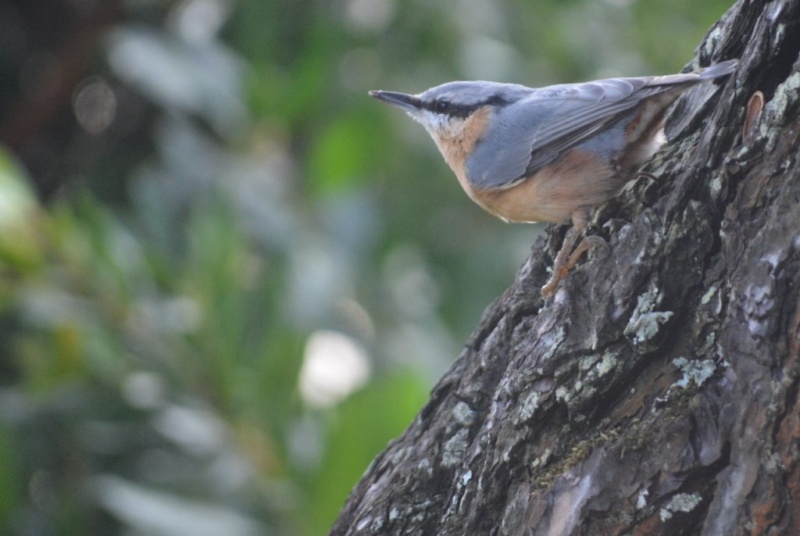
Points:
(532, 132)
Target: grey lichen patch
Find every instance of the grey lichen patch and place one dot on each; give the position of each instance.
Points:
(608, 363)
(458, 499)
(418, 519)
(641, 498)
(454, 448)
(647, 325)
(463, 413)
(563, 395)
(572, 396)
(591, 369)
(780, 31)
(712, 39)
(424, 466)
(710, 293)
(551, 340)
(544, 459)
(758, 305)
(694, 372)
(587, 392)
(681, 502)
(595, 367)
(643, 244)
(529, 406)
(645, 322)
(712, 304)
(375, 524)
(708, 343)
(692, 225)
(716, 187)
(587, 362)
(775, 110)
(398, 456)
(465, 478)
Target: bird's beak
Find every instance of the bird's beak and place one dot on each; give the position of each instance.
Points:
(409, 103)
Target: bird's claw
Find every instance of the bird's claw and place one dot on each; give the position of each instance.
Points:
(567, 258)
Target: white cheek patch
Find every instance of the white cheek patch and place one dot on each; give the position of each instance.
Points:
(436, 124)
(424, 117)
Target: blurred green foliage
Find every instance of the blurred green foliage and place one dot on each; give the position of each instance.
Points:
(233, 192)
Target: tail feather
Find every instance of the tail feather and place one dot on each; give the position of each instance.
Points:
(718, 69)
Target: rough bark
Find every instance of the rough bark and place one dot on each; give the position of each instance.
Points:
(657, 392)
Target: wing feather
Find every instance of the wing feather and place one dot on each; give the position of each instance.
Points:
(532, 132)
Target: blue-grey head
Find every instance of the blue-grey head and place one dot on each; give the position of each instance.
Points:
(443, 110)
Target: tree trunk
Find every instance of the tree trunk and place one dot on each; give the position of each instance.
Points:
(657, 392)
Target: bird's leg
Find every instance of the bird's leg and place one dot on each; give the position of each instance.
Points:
(588, 242)
(561, 264)
(569, 255)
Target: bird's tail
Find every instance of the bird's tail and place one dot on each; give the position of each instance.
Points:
(718, 69)
(689, 79)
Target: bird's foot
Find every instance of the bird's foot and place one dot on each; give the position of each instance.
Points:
(568, 257)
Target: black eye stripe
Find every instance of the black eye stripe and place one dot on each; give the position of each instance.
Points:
(448, 108)
(444, 106)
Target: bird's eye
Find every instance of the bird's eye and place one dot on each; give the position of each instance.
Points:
(442, 106)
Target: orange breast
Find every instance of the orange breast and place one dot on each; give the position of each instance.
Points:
(551, 195)
(457, 146)
(555, 192)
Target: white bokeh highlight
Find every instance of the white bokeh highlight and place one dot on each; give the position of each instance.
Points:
(334, 366)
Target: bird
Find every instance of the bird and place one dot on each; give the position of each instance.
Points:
(550, 154)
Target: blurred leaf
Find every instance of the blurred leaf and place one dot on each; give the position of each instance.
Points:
(18, 218)
(361, 428)
(50, 361)
(199, 78)
(344, 154)
(16, 199)
(157, 513)
(9, 478)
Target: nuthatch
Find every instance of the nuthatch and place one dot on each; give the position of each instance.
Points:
(548, 154)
